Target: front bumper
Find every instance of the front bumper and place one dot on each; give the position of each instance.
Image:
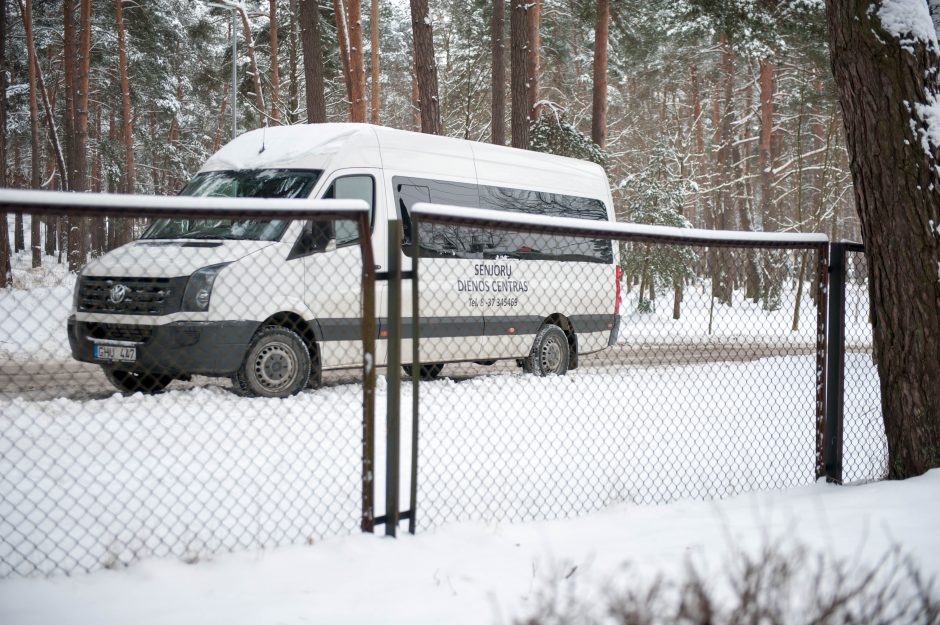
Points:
(178, 348)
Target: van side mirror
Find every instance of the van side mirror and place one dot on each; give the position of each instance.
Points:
(317, 236)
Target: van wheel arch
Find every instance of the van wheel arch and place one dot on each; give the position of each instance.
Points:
(560, 320)
(309, 331)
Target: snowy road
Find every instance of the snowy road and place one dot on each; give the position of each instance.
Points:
(40, 380)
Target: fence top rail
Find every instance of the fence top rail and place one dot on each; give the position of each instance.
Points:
(441, 213)
(852, 246)
(124, 205)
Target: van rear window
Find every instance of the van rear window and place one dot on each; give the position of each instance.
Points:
(258, 183)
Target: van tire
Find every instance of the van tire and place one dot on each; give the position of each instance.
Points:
(130, 382)
(277, 364)
(316, 368)
(550, 352)
(429, 371)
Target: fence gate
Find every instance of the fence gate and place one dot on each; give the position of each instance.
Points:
(703, 375)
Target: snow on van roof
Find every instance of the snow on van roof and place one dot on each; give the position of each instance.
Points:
(301, 146)
(316, 146)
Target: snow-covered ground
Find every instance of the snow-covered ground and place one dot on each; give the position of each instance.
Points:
(86, 484)
(102, 481)
(745, 321)
(494, 573)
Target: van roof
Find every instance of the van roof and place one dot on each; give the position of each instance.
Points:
(336, 146)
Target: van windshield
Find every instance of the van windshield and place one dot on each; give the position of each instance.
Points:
(258, 183)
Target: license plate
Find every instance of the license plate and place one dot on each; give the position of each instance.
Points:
(116, 353)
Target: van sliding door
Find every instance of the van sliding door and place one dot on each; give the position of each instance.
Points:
(451, 324)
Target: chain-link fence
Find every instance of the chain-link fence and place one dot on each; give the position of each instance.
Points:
(211, 385)
(150, 405)
(865, 448)
(615, 364)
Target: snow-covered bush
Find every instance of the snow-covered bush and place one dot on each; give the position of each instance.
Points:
(773, 585)
(552, 134)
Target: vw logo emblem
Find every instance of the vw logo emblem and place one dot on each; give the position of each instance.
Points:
(118, 293)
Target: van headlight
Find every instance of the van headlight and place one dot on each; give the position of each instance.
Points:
(199, 288)
(76, 291)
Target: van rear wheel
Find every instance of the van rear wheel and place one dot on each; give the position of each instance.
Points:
(550, 352)
(277, 365)
(130, 382)
(429, 371)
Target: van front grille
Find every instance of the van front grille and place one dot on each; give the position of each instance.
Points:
(130, 296)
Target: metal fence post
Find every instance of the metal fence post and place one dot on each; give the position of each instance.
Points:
(367, 523)
(822, 354)
(415, 373)
(835, 366)
(393, 406)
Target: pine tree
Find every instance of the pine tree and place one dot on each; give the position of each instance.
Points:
(425, 67)
(888, 89)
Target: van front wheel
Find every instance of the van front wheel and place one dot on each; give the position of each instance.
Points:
(549, 353)
(277, 365)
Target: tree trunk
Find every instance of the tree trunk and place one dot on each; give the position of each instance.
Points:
(78, 79)
(533, 55)
(97, 224)
(425, 68)
(127, 128)
(80, 175)
(293, 90)
(374, 60)
(342, 34)
(765, 146)
(498, 83)
(275, 70)
(415, 99)
(883, 88)
(774, 262)
(599, 108)
(68, 68)
(697, 113)
(357, 69)
(309, 16)
(6, 277)
(35, 179)
(252, 62)
(742, 173)
(518, 32)
(154, 170)
(722, 287)
(48, 106)
(220, 124)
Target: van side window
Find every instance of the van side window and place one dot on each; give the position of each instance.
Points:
(550, 247)
(447, 241)
(356, 187)
(408, 196)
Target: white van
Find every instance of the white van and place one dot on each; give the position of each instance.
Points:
(273, 303)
